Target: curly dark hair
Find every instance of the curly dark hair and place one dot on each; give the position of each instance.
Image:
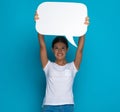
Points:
(60, 39)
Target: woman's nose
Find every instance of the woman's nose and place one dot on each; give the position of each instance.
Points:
(59, 50)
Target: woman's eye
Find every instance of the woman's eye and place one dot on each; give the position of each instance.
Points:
(63, 48)
(56, 48)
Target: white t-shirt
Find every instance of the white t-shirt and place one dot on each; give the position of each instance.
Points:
(59, 82)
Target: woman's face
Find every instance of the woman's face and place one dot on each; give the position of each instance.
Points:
(60, 50)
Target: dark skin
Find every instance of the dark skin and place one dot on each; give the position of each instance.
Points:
(60, 49)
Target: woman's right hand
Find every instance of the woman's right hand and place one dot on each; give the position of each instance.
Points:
(36, 17)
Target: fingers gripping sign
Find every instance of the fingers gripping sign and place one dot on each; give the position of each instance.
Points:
(62, 18)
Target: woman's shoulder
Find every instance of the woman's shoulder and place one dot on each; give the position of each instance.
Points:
(71, 65)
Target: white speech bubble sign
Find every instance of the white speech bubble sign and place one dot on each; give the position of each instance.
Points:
(62, 18)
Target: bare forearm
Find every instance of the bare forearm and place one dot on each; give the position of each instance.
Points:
(41, 40)
(43, 51)
(81, 43)
(78, 57)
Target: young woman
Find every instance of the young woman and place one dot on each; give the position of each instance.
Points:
(59, 74)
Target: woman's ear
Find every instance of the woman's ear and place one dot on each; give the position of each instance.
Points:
(52, 50)
(67, 49)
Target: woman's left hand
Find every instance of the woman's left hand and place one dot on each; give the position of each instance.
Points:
(87, 22)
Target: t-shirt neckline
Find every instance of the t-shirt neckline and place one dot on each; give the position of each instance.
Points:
(59, 67)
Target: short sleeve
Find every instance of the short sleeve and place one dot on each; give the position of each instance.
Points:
(74, 69)
(46, 68)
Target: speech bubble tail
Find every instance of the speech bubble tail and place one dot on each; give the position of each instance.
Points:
(70, 39)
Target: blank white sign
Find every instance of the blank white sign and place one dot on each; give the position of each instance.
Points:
(62, 18)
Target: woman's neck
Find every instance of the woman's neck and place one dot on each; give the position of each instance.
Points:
(61, 62)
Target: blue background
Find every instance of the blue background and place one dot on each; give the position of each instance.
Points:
(22, 81)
